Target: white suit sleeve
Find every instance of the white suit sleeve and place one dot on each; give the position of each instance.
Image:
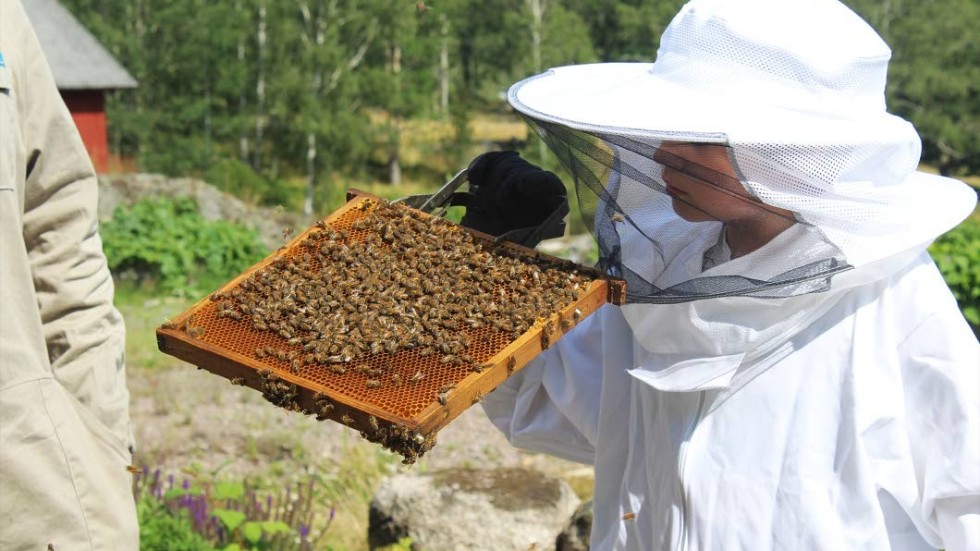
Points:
(941, 376)
(552, 405)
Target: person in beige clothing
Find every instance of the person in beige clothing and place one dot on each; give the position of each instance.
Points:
(65, 436)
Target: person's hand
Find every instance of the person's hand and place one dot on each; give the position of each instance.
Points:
(511, 193)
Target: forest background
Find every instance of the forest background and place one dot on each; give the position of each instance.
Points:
(287, 102)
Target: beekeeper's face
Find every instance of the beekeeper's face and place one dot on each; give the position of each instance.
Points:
(703, 184)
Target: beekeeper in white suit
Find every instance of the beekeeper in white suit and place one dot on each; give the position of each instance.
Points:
(65, 436)
(790, 371)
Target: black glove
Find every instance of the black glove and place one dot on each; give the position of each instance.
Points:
(510, 193)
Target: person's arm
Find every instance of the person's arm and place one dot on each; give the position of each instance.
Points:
(941, 376)
(553, 404)
(83, 331)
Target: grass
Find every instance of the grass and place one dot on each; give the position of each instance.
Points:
(144, 312)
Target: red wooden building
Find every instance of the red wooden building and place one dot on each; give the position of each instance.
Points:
(83, 70)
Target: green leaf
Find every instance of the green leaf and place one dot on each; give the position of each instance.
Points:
(229, 490)
(174, 493)
(273, 527)
(252, 532)
(231, 519)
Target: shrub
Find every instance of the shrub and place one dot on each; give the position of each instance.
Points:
(229, 516)
(167, 243)
(159, 529)
(239, 179)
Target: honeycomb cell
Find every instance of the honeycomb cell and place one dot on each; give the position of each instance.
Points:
(384, 309)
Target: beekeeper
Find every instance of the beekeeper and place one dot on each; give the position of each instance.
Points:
(790, 371)
(64, 423)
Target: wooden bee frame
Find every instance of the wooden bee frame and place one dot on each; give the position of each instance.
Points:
(398, 398)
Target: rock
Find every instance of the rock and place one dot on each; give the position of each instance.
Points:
(212, 203)
(461, 509)
(575, 537)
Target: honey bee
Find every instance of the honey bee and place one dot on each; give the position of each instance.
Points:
(443, 398)
(396, 379)
(577, 314)
(617, 217)
(169, 325)
(131, 468)
(347, 419)
(545, 337)
(629, 516)
(478, 397)
(287, 231)
(511, 364)
(240, 381)
(373, 421)
(373, 383)
(194, 331)
(417, 377)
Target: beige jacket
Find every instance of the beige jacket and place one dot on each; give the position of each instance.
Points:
(64, 420)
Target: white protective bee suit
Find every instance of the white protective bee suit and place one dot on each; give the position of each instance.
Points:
(834, 408)
(64, 410)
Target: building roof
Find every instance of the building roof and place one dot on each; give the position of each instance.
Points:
(78, 61)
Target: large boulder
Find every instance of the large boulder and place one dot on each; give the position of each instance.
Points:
(460, 509)
(575, 537)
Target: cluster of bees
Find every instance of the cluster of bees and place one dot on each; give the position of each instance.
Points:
(412, 282)
(395, 280)
(394, 436)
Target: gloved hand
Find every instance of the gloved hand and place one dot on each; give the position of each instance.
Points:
(510, 193)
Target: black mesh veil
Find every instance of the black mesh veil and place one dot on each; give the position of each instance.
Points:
(669, 237)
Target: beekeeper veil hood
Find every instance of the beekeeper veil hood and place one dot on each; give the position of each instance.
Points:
(754, 157)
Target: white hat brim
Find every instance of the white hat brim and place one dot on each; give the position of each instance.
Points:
(629, 99)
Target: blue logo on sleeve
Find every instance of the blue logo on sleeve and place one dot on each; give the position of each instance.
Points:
(2, 62)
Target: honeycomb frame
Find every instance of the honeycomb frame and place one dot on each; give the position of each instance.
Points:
(407, 420)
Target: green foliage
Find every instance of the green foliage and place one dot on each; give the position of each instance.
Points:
(239, 179)
(227, 515)
(166, 243)
(957, 253)
(160, 530)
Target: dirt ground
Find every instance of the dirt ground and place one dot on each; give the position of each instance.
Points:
(185, 418)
